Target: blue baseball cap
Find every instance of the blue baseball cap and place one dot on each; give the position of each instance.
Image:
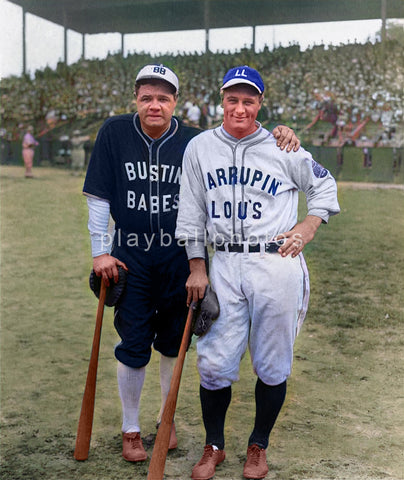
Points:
(243, 74)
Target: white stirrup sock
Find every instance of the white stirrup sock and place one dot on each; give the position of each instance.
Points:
(166, 370)
(130, 384)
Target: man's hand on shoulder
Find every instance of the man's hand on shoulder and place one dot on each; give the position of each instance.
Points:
(105, 266)
(286, 138)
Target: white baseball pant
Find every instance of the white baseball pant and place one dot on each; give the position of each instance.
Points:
(263, 300)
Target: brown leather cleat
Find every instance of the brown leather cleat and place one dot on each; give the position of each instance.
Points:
(206, 467)
(132, 447)
(173, 443)
(256, 463)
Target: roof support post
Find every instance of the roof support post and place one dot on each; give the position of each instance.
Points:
(206, 40)
(253, 39)
(206, 22)
(64, 37)
(65, 45)
(24, 44)
(83, 46)
(383, 15)
(123, 45)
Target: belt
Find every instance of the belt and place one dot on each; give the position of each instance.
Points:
(270, 247)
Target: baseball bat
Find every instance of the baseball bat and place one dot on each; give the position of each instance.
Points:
(87, 407)
(159, 455)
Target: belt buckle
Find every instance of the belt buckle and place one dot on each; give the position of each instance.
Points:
(272, 247)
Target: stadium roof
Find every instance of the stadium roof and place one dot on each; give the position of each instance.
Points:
(139, 16)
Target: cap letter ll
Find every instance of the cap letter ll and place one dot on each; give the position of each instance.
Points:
(242, 74)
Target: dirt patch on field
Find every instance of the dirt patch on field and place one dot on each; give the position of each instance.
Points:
(371, 186)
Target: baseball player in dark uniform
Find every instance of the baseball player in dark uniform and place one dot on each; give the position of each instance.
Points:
(134, 176)
(240, 187)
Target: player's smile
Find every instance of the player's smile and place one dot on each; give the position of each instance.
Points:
(155, 105)
(239, 119)
(241, 106)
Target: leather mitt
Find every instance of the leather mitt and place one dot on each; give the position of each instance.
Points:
(115, 289)
(205, 312)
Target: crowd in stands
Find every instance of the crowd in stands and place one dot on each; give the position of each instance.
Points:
(354, 91)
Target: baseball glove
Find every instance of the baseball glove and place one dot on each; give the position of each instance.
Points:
(114, 291)
(205, 312)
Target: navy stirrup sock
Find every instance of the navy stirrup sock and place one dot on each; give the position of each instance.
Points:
(268, 402)
(214, 407)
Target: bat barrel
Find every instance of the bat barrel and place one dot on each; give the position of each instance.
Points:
(85, 425)
(158, 460)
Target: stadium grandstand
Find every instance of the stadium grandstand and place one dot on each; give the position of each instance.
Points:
(335, 97)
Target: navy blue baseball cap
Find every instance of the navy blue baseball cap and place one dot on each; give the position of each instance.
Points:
(243, 74)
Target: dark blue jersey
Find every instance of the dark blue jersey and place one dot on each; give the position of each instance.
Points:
(138, 175)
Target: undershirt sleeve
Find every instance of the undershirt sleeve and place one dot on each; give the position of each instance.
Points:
(98, 220)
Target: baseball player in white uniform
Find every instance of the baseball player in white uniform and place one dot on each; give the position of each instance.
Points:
(243, 191)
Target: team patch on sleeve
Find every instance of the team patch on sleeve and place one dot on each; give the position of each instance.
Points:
(318, 170)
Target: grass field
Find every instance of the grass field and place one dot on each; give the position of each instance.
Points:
(343, 416)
